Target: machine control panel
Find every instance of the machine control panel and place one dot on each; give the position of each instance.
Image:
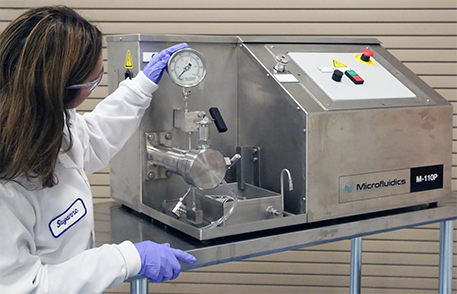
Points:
(364, 78)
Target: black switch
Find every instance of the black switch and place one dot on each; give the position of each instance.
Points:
(128, 74)
(354, 77)
(337, 75)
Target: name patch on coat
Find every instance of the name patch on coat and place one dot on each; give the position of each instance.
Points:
(68, 218)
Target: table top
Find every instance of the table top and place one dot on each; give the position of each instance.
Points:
(115, 223)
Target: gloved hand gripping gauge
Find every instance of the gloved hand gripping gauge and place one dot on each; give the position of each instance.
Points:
(186, 68)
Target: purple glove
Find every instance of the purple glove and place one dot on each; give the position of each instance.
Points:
(159, 262)
(156, 66)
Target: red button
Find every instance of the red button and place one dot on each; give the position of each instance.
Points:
(357, 78)
(367, 52)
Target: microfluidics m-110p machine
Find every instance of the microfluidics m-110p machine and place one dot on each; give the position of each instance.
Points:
(252, 133)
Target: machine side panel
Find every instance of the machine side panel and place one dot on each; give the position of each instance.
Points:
(370, 154)
(268, 120)
(125, 171)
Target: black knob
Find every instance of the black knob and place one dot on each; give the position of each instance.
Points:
(337, 75)
(365, 58)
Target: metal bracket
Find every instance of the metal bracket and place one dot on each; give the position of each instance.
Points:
(185, 121)
(154, 172)
(248, 167)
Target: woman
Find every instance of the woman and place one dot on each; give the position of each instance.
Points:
(50, 61)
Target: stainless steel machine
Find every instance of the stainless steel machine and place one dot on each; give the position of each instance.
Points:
(253, 133)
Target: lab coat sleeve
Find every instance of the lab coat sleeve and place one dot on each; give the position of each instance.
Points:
(107, 128)
(22, 271)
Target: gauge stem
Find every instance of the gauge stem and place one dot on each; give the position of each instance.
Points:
(186, 94)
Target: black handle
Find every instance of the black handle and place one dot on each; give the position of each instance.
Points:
(218, 120)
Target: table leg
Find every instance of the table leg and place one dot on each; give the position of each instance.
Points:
(139, 286)
(356, 265)
(446, 240)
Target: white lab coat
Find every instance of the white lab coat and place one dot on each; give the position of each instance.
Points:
(47, 235)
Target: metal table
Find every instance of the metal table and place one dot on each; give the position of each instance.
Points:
(126, 224)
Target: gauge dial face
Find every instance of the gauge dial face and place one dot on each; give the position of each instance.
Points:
(186, 68)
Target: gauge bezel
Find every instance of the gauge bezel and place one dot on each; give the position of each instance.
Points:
(175, 80)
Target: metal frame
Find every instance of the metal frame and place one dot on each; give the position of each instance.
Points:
(127, 224)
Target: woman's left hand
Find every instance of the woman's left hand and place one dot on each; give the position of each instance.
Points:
(156, 66)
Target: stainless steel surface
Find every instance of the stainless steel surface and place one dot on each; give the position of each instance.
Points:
(171, 38)
(346, 157)
(446, 240)
(126, 224)
(253, 203)
(203, 168)
(139, 286)
(356, 265)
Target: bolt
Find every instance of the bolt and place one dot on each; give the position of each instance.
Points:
(151, 175)
(168, 136)
(271, 211)
(168, 174)
(255, 150)
(255, 159)
(201, 114)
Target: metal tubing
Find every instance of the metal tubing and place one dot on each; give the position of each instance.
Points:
(139, 286)
(446, 240)
(356, 265)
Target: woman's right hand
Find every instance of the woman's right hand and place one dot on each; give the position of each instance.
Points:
(159, 262)
(158, 63)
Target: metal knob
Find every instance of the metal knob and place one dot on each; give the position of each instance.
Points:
(281, 61)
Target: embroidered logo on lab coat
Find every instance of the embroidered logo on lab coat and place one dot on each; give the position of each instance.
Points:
(68, 218)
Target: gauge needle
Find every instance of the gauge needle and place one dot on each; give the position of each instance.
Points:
(186, 68)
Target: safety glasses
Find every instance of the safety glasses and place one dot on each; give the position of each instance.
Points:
(93, 84)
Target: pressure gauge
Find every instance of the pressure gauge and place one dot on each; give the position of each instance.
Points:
(186, 68)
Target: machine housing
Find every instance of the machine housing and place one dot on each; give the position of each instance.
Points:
(350, 149)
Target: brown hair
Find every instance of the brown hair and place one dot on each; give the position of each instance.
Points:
(42, 52)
